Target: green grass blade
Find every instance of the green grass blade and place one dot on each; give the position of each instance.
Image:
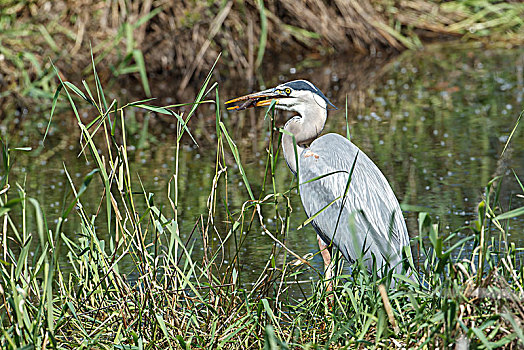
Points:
(163, 110)
(510, 214)
(512, 132)
(99, 89)
(53, 106)
(139, 59)
(200, 96)
(234, 150)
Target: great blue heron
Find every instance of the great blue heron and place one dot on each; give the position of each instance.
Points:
(356, 209)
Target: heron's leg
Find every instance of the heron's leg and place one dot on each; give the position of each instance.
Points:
(325, 250)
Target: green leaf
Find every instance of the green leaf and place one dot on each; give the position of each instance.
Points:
(313, 217)
(482, 337)
(78, 92)
(83, 188)
(139, 60)
(99, 89)
(162, 325)
(510, 214)
(234, 150)
(163, 110)
(9, 205)
(53, 106)
(23, 256)
(512, 132)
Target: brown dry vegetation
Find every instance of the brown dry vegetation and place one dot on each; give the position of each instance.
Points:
(181, 37)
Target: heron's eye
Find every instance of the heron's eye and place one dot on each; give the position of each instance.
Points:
(288, 91)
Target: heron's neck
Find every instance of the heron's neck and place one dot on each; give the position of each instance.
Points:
(305, 127)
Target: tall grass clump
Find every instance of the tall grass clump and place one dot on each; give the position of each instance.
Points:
(470, 290)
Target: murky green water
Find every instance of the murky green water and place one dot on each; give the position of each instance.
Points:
(435, 122)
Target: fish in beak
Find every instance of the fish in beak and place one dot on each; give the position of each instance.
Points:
(258, 99)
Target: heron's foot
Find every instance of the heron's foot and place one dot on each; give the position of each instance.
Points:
(325, 251)
(330, 298)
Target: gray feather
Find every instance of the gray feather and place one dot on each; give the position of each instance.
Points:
(368, 221)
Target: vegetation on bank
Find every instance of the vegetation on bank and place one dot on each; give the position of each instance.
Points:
(181, 37)
(471, 290)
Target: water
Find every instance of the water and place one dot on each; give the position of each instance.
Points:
(434, 121)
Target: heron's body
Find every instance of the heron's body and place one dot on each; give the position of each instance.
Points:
(364, 221)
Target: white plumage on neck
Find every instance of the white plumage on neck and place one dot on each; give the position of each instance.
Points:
(305, 127)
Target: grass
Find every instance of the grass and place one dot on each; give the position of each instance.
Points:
(471, 291)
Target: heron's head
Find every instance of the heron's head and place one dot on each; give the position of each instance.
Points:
(297, 96)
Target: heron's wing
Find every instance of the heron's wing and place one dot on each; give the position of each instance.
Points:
(369, 220)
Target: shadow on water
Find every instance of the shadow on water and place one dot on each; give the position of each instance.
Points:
(434, 121)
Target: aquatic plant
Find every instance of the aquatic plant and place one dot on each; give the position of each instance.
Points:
(471, 290)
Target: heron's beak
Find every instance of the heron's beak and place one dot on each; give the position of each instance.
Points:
(258, 99)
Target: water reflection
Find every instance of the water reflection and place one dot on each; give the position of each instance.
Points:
(435, 122)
